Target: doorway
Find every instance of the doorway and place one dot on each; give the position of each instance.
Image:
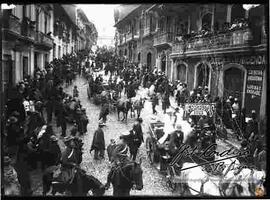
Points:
(181, 73)
(25, 66)
(203, 72)
(163, 63)
(233, 82)
(149, 60)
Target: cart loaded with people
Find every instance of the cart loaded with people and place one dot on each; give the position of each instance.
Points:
(160, 144)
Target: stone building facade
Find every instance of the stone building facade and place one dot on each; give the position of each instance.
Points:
(221, 46)
(34, 34)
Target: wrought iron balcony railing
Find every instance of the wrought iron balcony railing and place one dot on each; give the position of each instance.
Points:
(44, 39)
(163, 38)
(12, 24)
(230, 39)
(146, 31)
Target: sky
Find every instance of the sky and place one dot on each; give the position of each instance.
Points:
(102, 15)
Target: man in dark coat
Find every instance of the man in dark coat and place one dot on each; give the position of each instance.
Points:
(14, 133)
(49, 109)
(104, 112)
(176, 139)
(137, 128)
(22, 167)
(154, 100)
(62, 118)
(133, 141)
(98, 143)
(252, 129)
(110, 149)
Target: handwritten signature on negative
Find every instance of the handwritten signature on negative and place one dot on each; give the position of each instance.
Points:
(186, 151)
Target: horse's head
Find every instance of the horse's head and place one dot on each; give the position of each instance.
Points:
(137, 175)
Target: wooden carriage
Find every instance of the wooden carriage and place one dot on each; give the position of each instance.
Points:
(155, 132)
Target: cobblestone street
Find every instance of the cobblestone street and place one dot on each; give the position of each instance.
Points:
(154, 183)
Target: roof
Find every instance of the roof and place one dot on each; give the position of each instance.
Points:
(82, 14)
(124, 10)
(70, 10)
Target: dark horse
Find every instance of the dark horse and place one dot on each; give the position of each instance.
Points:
(123, 106)
(126, 178)
(88, 182)
(138, 105)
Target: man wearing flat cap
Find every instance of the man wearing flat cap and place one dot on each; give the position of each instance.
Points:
(98, 143)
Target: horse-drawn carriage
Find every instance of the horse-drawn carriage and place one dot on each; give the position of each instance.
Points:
(155, 132)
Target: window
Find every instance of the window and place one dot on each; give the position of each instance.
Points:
(206, 22)
(59, 51)
(25, 66)
(54, 46)
(37, 20)
(45, 24)
(237, 12)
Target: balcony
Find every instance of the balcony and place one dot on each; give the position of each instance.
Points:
(213, 44)
(146, 31)
(27, 30)
(163, 39)
(12, 25)
(128, 37)
(43, 41)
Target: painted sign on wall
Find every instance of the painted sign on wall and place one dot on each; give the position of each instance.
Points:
(254, 84)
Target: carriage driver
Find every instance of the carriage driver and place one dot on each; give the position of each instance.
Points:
(176, 139)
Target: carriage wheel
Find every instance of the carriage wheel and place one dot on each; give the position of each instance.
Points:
(150, 150)
(88, 93)
(171, 185)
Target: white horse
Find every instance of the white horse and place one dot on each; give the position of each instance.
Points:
(245, 182)
(241, 183)
(197, 182)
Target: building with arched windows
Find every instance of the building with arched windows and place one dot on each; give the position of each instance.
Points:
(219, 46)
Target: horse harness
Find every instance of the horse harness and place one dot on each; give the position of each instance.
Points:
(120, 168)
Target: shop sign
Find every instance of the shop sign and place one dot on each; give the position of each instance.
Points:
(243, 60)
(254, 84)
(198, 109)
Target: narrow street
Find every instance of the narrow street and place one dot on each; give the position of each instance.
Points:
(154, 183)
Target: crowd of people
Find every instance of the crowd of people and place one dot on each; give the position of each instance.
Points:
(35, 100)
(28, 136)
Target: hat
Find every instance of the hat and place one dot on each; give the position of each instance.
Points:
(206, 126)
(235, 99)
(54, 139)
(101, 123)
(228, 101)
(230, 97)
(13, 120)
(178, 127)
(139, 119)
(253, 111)
(15, 114)
(244, 143)
(68, 138)
(112, 140)
(121, 150)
